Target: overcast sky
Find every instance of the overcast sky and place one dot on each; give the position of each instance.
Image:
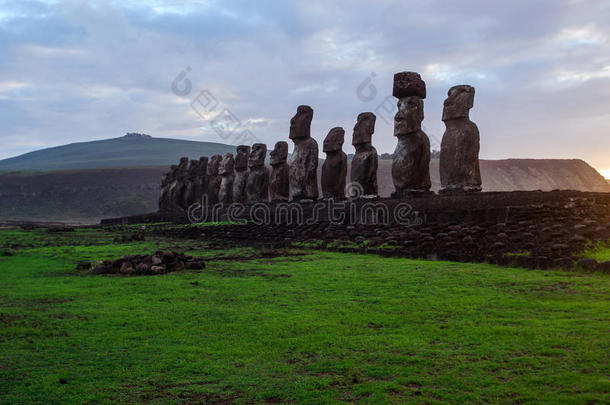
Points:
(74, 71)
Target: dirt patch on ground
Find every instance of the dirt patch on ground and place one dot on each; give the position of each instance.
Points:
(560, 287)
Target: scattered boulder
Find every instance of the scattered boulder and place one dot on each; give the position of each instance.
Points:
(142, 268)
(155, 264)
(83, 265)
(57, 229)
(126, 268)
(103, 269)
(134, 237)
(158, 269)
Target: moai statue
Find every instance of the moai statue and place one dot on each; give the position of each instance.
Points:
(202, 179)
(459, 162)
(168, 183)
(364, 164)
(303, 170)
(178, 193)
(192, 183)
(214, 179)
(257, 188)
(227, 171)
(241, 174)
(334, 168)
(411, 164)
(278, 182)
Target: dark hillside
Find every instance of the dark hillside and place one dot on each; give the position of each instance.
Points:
(128, 151)
(79, 195)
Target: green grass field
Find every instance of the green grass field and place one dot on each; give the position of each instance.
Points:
(307, 327)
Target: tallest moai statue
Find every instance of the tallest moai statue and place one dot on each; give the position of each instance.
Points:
(411, 164)
(459, 163)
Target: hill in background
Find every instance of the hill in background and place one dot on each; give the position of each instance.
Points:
(131, 150)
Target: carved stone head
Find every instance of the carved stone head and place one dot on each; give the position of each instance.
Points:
(409, 116)
(182, 170)
(300, 124)
(458, 103)
(257, 156)
(171, 175)
(241, 158)
(193, 168)
(334, 140)
(214, 165)
(228, 164)
(279, 154)
(364, 128)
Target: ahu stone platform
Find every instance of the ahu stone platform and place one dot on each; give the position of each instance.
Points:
(530, 229)
(423, 209)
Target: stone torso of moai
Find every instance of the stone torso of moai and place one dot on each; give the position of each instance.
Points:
(227, 172)
(411, 163)
(168, 183)
(459, 162)
(179, 191)
(241, 174)
(278, 182)
(334, 168)
(363, 174)
(257, 189)
(214, 180)
(303, 170)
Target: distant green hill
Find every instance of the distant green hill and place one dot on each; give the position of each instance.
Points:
(130, 150)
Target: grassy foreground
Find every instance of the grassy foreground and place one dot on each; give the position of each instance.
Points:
(308, 327)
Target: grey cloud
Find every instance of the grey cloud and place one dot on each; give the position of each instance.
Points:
(111, 66)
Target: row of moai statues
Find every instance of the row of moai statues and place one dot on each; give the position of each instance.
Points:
(245, 178)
